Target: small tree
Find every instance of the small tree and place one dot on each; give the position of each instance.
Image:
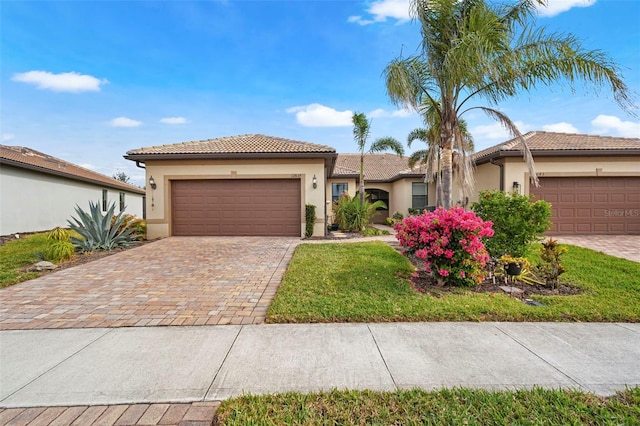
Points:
(517, 221)
(361, 130)
(122, 177)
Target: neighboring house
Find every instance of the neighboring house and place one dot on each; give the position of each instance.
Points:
(592, 182)
(39, 192)
(259, 185)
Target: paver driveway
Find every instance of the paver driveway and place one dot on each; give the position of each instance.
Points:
(174, 281)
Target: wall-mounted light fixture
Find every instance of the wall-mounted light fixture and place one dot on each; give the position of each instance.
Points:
(152, 183)
(516, 187)
(314, 181)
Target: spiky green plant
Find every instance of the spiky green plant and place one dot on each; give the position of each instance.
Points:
(99, 231)
(58, 250)
(59, 234)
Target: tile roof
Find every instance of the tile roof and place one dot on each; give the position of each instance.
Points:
(243, 144)
(562, 143)
(24, 157)
(377, 167)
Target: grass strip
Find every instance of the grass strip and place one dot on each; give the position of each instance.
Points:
(461, 406)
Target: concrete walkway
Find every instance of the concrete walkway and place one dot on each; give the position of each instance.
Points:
(184, 364)
(624, 246)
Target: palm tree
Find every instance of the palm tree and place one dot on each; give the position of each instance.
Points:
(475, 50)
(361, 130)
(431, 157)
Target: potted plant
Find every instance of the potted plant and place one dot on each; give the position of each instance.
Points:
(513, 265)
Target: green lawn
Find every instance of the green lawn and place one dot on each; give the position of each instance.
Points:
(367, 282)
(18, 253)
(443, 407)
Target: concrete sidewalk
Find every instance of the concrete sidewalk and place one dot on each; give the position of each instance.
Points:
(181, 364)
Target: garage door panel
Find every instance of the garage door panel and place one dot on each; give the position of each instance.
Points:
(599, 205)
(262, 207)
(600, 198)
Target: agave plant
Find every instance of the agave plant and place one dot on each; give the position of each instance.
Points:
(100, 232)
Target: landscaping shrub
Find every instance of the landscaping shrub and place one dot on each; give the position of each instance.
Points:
(395, 218)
(551, 267)
(449, 242)
(371, 231)
(58, 250)
(130, 221)
(517, 221)
(98, 231)
(59, 234)
(310, 219)
(352, 215)
(58, 246)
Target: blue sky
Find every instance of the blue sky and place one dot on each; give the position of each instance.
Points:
(86, 81)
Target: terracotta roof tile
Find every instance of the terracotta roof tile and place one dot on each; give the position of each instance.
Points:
(243, 144)
(377, 167)
(20, 156)
(562, 142)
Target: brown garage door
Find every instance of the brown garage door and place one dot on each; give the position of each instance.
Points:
(263, 207)
(592, 205)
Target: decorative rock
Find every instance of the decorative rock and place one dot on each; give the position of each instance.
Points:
(533, 302)
(511, 290)
(44, 266)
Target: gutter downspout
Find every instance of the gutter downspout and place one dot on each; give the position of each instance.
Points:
(139, 166)
(501, 165)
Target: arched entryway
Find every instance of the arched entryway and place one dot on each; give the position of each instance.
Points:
(376, 194)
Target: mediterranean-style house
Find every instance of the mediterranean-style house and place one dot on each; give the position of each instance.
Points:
(39, 192)
(259, 185)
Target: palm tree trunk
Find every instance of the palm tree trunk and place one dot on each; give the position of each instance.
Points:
(361, 179)
(447, 168)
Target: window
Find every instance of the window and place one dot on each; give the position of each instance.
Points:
(337, 189)
(105, 196)
(122, 206)
(419, 195)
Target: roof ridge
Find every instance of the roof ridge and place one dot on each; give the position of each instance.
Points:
(67, 166)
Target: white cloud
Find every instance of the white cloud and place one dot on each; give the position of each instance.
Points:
(174, 120)
(496, 131)
(316, 115)
(609, 123)
(561, 127)
(555, 7)
(7, 137)
(376, 113)
(64, 82)
(383, 9)
(124, 122)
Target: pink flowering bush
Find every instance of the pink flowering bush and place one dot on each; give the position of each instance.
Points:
(449, 242)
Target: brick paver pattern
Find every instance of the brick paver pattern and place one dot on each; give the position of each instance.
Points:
(193, 414)
(624, 246)
(174, 281)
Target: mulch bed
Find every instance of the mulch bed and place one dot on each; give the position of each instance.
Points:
(426, 284)
(80, 258)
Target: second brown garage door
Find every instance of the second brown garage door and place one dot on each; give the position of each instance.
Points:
(592, 205)
(244, 207)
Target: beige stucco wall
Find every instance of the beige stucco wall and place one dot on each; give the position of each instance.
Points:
(402, 195)
(163, 172)
(515, 170)
(31, 201)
